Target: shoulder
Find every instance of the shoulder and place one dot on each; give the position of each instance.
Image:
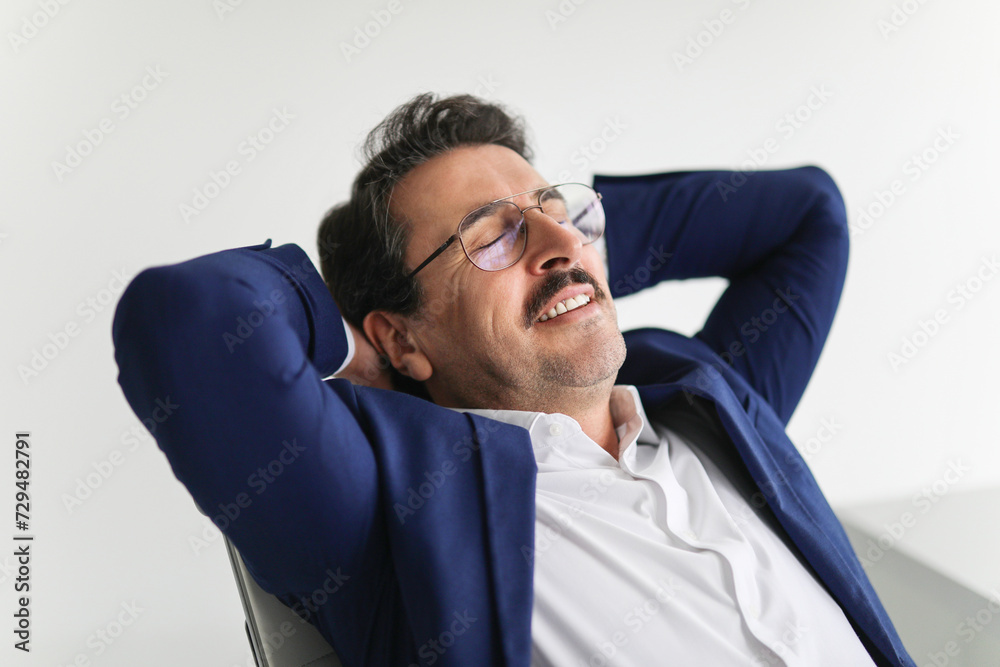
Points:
(656, 355)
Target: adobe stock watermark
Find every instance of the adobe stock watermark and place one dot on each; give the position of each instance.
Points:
(589, 152)
(927, 329)
(273, 641)
(107, 634)
(750, 331)
(258, 481)
(8, 568)
(970, 628)
(781, 649)
(562, 12)
(250, 660)
(824, 434)
(922, 502)
(787, 125)
(87, 311)
(306, 606)
(759, 499)
(900, 15)
(208, 536)
(246, 152)
(121, 108)
(547, 534)
(712, 29)
(224, 8)
(435, 647)
(462, 451)
(486, 86)
(31, 25)
(102, 470)
(634, 620)
(914, 168)
(829, 427)
(640, 276)
(244, 327)
(366, 33)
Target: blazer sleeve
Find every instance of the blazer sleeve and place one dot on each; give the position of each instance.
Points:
(780, 237)
(223, 356)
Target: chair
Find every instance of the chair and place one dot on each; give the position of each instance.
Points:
(278, 636)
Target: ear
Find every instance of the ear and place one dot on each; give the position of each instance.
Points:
(391, 334)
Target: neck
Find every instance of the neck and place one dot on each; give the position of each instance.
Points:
(589, 406)
(600, 427)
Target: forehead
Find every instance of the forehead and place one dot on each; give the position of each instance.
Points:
(436, 195)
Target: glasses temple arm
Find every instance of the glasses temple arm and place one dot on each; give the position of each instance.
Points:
(441, 249)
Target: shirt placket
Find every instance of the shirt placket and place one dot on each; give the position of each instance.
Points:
(722, 537)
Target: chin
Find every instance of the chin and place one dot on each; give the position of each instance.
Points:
(602, 361)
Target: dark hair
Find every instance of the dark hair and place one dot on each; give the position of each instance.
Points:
(361, 246)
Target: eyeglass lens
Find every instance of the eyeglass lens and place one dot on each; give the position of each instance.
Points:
(494, 235)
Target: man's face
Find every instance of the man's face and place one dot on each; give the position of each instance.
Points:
(479, 331)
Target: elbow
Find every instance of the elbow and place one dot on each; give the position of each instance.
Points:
(137, 324)
(141, 331)
(158, 328)
(819, 183)
(150, 305)
(824, 201)
(826, 224)
(134, 317)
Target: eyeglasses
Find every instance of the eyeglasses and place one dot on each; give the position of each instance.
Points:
(494, 236)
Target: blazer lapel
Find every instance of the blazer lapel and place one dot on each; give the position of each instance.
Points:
(509, 474)
(795, 499)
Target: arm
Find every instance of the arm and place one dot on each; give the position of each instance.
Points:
(238, 342)
(780, 239)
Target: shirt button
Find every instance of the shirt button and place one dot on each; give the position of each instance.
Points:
(555, 429)
(689, 536)
(754, 611)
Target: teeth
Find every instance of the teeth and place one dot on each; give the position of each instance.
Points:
(565, 306)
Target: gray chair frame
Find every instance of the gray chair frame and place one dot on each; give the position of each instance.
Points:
(278, 636)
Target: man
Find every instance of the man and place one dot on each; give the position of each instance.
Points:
(539, 488)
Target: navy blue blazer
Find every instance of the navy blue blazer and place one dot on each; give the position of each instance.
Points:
(403, 530)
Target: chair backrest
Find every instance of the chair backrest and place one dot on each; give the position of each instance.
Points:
(278, 636)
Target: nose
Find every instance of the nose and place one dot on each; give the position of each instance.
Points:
(549, 243)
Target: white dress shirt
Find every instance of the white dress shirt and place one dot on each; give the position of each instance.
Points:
(658, 559)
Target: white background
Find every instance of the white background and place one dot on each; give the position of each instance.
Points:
(63, 236)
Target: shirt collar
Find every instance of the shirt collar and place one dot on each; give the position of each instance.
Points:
(627, 413)
(630, 417)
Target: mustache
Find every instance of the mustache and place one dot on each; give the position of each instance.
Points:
(553, 283)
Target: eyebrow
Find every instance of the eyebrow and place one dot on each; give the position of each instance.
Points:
(514, 194)
(478, 214)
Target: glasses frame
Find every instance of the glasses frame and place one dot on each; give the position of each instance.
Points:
(457, 235)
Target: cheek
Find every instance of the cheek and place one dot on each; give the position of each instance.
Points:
(459, 311)
(440, 308)
(494, 312)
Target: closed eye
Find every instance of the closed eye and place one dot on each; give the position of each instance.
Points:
(493, 242)
(512, 232)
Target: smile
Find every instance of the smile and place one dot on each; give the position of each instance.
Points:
(565, 306)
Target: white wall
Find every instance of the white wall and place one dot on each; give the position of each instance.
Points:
(64, 237)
